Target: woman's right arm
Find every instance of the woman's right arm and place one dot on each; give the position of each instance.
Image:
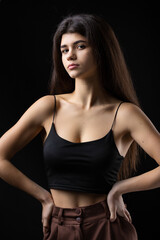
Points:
(29, 125)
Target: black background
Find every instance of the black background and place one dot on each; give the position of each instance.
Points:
(25, 53)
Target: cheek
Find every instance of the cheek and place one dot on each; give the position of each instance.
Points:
(64, 63)
(90, 62)
(89, 58)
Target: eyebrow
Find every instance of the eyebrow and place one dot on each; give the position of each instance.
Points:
(76, 42)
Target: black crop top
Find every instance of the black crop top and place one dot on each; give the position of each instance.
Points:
(90, 167)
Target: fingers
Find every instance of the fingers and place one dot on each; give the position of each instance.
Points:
(123, 213)
(112, 210)
(128, 216)
(47, 209)
(45, 230)
(46, 225)
(113, 214)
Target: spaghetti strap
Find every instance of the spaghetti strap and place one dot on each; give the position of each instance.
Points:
(54, 108)
(116, 114)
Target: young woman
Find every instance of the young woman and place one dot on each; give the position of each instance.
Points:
(91, 125)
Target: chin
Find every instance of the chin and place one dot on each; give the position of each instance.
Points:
(77, 75)
(74, 75)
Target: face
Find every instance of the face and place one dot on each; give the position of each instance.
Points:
(77, 56)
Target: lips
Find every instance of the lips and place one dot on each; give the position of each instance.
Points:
(72, 66)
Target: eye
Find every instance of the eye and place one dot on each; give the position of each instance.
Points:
(81, 46)
(64, 51)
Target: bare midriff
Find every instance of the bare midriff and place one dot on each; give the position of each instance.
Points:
(72, 199)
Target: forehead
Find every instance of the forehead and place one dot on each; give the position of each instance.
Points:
(70, 38)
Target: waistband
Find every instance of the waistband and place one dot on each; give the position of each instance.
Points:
(81, 213)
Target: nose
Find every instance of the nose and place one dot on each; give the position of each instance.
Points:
(71, 55)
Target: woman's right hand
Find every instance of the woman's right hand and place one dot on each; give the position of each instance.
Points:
(47, 208)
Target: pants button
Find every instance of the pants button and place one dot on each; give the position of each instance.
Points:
(78, 211)
(78, 219)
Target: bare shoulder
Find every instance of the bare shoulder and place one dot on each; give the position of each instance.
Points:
(42, 108)
(45, 101)
(131, 111)
(39, 111)
(28, 126)
(133, 117)
(140, 129)
(130, 108)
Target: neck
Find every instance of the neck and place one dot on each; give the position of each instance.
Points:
(89, 92)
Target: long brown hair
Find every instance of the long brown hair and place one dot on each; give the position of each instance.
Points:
(113, 71)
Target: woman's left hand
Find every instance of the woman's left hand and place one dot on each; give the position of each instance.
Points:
(116, 206)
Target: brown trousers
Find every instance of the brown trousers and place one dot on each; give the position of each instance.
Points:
(88, 223)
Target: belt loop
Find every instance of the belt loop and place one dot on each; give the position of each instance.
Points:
(60, 216)
(104, 204)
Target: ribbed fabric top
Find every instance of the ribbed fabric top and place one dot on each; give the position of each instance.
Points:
(84, 167)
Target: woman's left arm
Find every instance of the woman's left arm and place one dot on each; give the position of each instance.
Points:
(146, 135)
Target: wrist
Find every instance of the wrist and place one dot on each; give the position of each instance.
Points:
(116, 189)
(114, 194)
(45, 197)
